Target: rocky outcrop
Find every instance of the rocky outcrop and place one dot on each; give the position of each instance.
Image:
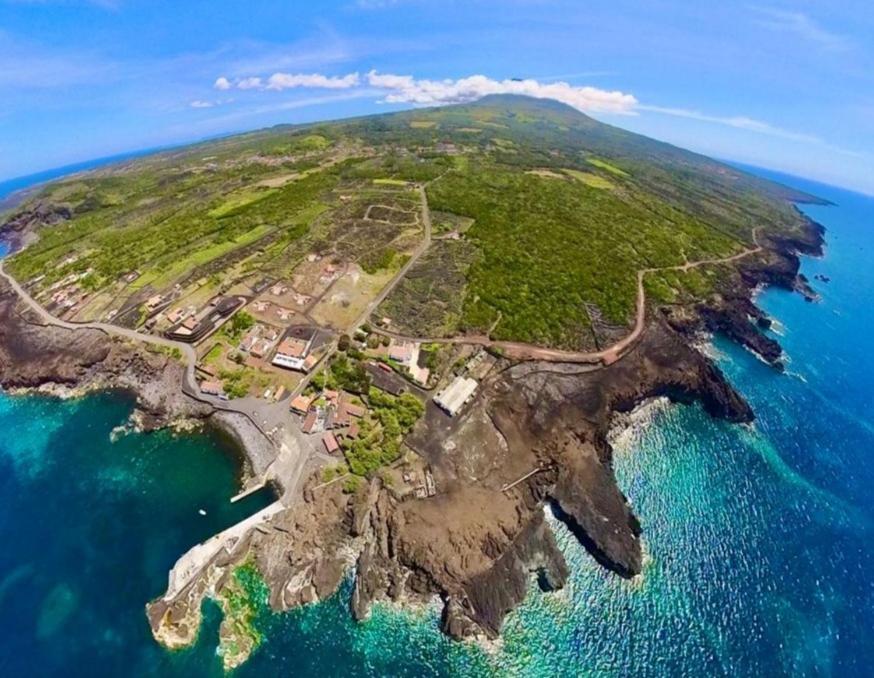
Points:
(535, 440)
(732, 312)
(70, 362)
(38, 214)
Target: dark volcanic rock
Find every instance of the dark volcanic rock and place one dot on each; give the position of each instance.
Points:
(33, 355)
(478, 542)
(494, 593)
(26, 221)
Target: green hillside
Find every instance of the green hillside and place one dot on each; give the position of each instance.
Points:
(552, 214)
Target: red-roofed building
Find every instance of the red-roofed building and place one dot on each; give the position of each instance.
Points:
(309, 422)
(330, 443)
(214, 388)
(301, 404)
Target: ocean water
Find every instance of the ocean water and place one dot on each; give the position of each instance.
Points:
(9, 186)
(758, 539)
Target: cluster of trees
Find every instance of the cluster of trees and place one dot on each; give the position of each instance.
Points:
(551, 248)
(382, 432)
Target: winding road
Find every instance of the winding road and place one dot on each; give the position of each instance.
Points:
(607, 356)
(247, 407)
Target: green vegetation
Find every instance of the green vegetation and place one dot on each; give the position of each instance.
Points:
(166, 227)
(238, 382)
(428, 301)
(558, 213)
(381, 432)
(212, 356)
(377, 260)
(170, 351)
(347, 375)
(591, 179)
(550, 249)
(238, 324)
(243, 596)
(333, 472)
(604, 165)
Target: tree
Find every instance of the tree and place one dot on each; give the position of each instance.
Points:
(344, 342)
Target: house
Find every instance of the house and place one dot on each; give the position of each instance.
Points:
(301, 404)
(356, 411)
(224, 306)
(283, 313)
(278, 290)
(386, 381)
(401, 351)
(175, 315)
(249, 340)
(345, 413)
(260, 348)
(213, 388)
(309, 421)
(293, 352)
(260, 306)
(153, 302)
(350, 432)
(454, 396)
(330, 443)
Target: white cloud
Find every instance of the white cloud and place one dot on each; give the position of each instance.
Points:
(751, 124)
(280, 81)
(736, 121)
(803, 26)
(200, 103)
(406, 89)
(249, 83)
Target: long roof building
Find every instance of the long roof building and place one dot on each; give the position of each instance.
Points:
(454, 396)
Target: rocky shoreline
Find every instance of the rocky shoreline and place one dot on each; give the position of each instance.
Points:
(536, 436)
(54, 361)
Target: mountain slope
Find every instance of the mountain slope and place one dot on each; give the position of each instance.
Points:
(560, 213)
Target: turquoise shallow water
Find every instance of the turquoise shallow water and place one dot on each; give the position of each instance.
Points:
(759, 539)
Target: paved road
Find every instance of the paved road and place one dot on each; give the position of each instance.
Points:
(372, 306)
(254, 409)
(611, 354)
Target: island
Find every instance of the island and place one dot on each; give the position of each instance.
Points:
(420, 327)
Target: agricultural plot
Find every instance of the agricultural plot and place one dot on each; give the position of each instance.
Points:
(428, 301)
(348, 297)
(553, 249)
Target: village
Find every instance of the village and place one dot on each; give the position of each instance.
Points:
(312, 342)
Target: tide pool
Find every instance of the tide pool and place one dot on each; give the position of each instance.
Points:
(758, 539)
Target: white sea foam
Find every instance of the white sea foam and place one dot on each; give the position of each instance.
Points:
(627, 429)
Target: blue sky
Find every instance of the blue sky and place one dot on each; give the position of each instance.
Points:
(786, 85)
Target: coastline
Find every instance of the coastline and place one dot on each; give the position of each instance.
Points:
(386, 537)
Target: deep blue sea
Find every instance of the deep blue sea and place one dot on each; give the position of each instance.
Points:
(759, 540)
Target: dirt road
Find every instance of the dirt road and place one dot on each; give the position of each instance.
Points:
(523, 351)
